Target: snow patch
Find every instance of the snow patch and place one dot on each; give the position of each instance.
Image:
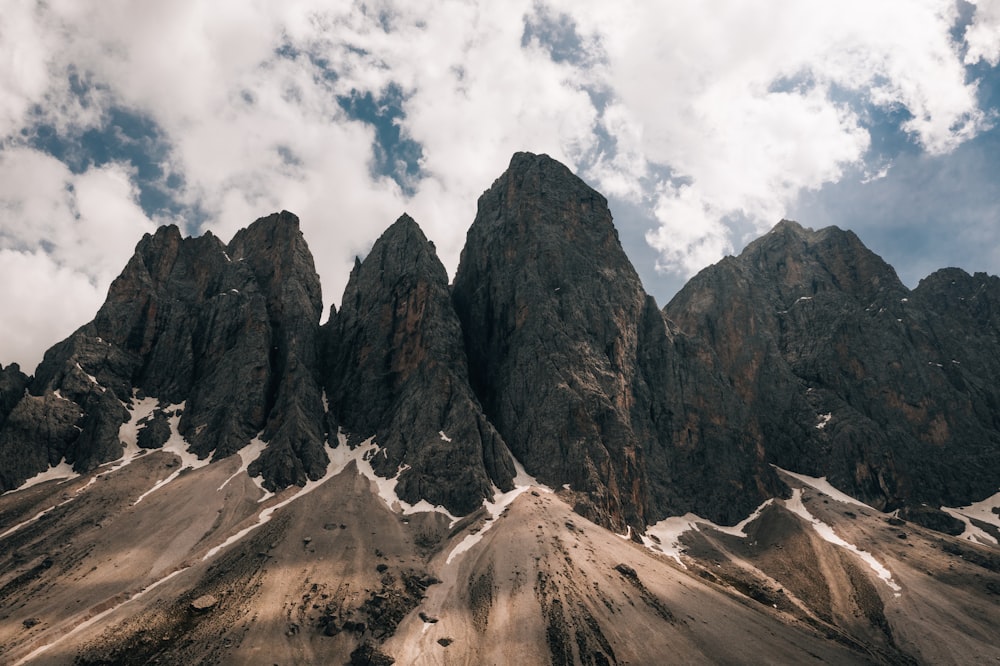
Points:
(362, 456)
(92, 378)
(265, 515)
(444, 437)
(100, 616)
(669, 531)
(61, 471)
(796, 506)
(984, 511)
(522, 482)
(824, 486)
(248, 454)
(823, 420)
(178, 446)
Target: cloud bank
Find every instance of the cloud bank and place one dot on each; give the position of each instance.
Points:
(712, 118)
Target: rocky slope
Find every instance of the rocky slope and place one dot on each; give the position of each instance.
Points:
(224, 336)
(848, 374)
(204, 474)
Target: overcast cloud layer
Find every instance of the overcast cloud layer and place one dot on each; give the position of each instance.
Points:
(704, 122)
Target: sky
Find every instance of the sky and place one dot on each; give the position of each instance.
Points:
(703, 122)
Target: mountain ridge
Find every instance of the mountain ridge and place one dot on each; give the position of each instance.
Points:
(551, 349)
(534, 464)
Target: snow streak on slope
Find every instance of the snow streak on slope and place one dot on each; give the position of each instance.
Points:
(664, 536)
(796, 506)
(987, 511)
(179, 447)
(522, 482)
(97, 618)
(824, 486)
(248, 454)
(362, 455)
(61, 471)
(339, 458)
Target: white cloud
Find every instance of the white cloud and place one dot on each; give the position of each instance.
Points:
(744, 108)
(63, 238)
(43, 302)
(983, 34)
(750, 107)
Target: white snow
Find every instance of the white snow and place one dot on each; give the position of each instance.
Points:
(247, 455)
(92, 378)
(983, 512)
(444, 437)
(179, 447)
(802, 298)
(128, 432)
(362, 456)
(739, 529)
(61, 471)
(98, 617)
(522, 482)
(824, 486)
(796, 506)
(669, 531)
(265, 515)
(823, 420)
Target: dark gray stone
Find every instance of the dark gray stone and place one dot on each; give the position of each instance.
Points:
(397, 371)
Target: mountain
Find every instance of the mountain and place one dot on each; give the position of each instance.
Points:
(797, 458)
(892, 394)
(580, 372)
(397, 372)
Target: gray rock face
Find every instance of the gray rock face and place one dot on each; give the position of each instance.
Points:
(891, 395)
(805, 352)
(397, 371)
(229, 332)
(13, 384)
(577, 368)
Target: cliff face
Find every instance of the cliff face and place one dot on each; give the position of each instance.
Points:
(229, 334)
(396, 370)
(805, 352)
(579, 371)
(850, 375)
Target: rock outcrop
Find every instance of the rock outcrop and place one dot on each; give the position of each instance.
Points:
(805, 352)
(891, 394)
(226, 335)
(397, 371)
(579, 371)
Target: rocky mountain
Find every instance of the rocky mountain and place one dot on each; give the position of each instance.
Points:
(444, 473)
(226, 337)
(581, 373)
(396, 371)
(892, 394)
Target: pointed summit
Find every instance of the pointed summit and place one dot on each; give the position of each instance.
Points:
(576, 367)
(396, 370)
(193, 324)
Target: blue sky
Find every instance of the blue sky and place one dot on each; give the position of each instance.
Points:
(703, 123)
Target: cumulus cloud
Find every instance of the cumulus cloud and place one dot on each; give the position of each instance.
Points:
(711, 117)
(983, 35)
(750, 108)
